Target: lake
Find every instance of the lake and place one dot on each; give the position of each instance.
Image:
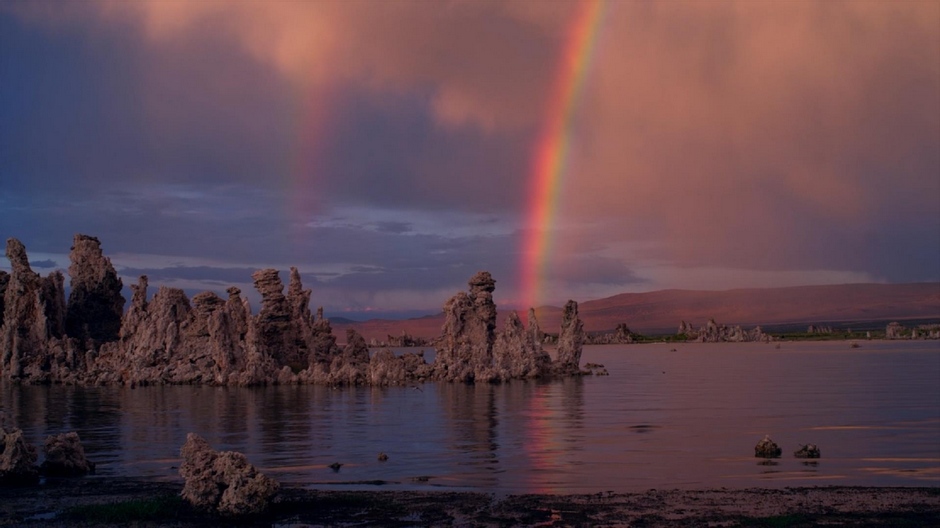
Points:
(664, 418)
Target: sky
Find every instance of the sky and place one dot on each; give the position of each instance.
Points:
(390, 150)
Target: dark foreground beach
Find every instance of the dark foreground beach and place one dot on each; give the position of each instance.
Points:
(122, 502)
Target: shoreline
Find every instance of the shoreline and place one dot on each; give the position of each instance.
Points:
(122, 501)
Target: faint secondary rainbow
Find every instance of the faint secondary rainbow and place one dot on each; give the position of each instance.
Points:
(551, 154)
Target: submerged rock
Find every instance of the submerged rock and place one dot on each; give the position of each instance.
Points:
(17, 459)
(767, 448)
(807, 451)
(65, 457)
(223, 481)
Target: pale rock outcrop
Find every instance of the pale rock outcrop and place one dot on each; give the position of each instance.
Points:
(224, 482)
(322, 341)
(895, 330)
(65, 456)
(274, 329)
(17, 459)
(53, 296)
(95, 304)
(466, 349)
(386, 369)
(620, 336)
(570, 341)
(4, 280)
(169, 339)
(24, 334)
(517, 353)
(712, 332)
(405, 340)
(767, 448)
(470, 350)
(352, 366)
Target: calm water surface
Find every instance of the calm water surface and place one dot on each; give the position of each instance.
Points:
(687, 418)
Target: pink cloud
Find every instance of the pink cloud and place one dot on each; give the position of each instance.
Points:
(741, 134)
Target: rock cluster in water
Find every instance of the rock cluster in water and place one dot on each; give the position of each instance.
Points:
(223, 482)
(807, 451)
(170, 339)
(767, 448)
(896, 330)
(64, 457)
(17, 459)
(620, 336)
(712, 332)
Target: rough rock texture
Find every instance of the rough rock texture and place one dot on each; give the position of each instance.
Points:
(518, 352)
(223, 481)
(53, 296)
(767, 448)
(405, 340)
(17, 459)
(170, 339)
(895, 330)
(620, 336)
(570, 340)
(95, 304)
(65, 456)
(4, 280)
(468, 335)
(807, 451)
(352, 366)
(470, 349)
(274, 328)
(24, 335)
(712, 332)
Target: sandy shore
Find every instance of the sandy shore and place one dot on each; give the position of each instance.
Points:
(120, 502)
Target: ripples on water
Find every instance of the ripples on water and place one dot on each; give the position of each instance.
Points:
(663, 419)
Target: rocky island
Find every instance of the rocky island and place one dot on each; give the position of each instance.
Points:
(90, 339)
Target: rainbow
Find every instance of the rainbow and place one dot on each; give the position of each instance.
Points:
(551, 153)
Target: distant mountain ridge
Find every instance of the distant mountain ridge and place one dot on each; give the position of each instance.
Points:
(662, 311)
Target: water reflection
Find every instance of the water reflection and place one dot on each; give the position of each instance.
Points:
(639, 428)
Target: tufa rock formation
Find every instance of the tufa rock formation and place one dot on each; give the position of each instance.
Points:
(32, 318)
(807, 451)
(223, 482)
(712, 332)
(17, 459)
(95, 304)
(570, 341)
(471, 350)
(895, 330)
(168, 339)
(65, 457)
(620, 336)
(767, 448)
